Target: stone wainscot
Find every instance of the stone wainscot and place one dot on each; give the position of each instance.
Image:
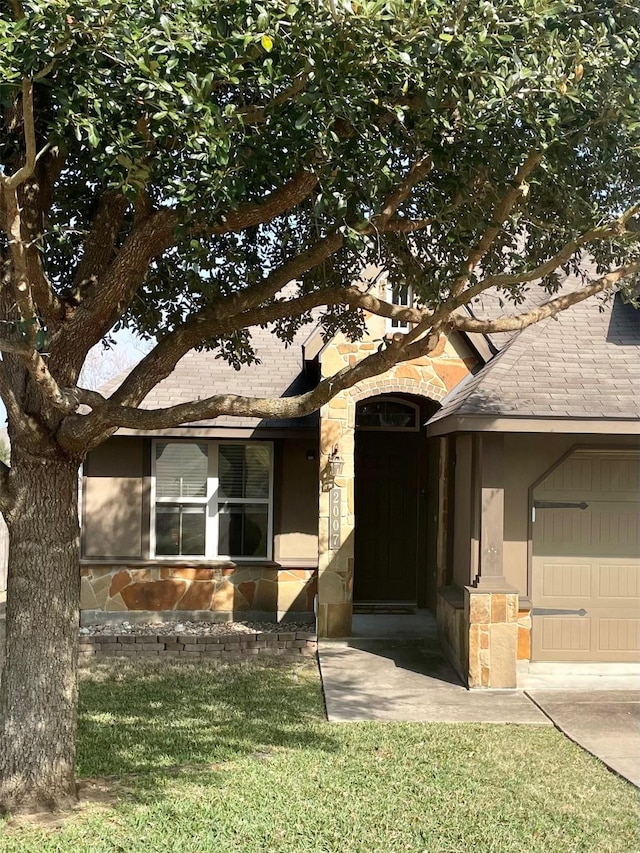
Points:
(219, 593)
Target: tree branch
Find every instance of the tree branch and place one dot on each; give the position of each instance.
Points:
(400, 225)
(549, 309)
(8, 395)
(259, 114)
(503, 280)
(99, 244)
(501, 212)
(63, 399)
(112, 416)
(98, 312)
(417, 173)
(286, 197)
(216, 320)
(12, 182)
(20, 281)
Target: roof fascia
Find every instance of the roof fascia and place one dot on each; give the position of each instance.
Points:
(493, 423)
(226, 432)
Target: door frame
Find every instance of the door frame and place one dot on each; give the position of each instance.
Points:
(423, 497)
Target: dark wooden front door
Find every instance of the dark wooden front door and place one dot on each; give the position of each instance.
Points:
(387, 484)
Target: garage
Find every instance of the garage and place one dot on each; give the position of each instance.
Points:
(585, 570)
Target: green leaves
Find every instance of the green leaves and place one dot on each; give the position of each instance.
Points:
(210, 106)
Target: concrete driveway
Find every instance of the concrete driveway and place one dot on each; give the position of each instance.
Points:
(604, 722)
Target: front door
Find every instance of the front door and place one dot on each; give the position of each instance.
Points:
(387, 487)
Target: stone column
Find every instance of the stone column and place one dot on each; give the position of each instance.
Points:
(335, 561)
(492, 618)
(491, 604)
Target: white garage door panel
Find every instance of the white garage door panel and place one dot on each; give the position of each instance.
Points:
(561, 634)
(619, 635)
(606, 528)
(586, 562)
(586, 609)
(617, 580)
(570, 581)
(616, 476)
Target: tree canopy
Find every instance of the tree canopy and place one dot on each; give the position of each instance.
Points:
(170, 166)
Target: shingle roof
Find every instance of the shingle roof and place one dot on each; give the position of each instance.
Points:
(585, 364)
(199, 375)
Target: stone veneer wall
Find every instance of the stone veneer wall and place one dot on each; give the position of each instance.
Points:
(492, 618)
(222, 646)
(452, 628)
(458, 636)
(226, 591)
(431, 377)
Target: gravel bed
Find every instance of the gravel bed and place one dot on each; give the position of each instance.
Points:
(202, 629)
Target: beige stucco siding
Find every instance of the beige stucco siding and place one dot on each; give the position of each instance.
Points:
(527, 458)
(464, 541)
(296, 515)
(113, 499)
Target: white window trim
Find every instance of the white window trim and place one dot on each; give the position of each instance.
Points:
(401, 327)
(211, 502)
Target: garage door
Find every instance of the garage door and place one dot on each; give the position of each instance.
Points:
(586, 560)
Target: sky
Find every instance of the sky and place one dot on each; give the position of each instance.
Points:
(102, 364)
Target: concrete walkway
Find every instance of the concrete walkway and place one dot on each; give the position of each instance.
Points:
(604, 722)
(404, 677)
(409, 680)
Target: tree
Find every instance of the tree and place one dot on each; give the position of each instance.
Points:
(169, 167)
(109, 359)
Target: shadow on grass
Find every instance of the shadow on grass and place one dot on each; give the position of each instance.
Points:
(148, 717)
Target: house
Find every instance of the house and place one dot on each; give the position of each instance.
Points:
(496, 482)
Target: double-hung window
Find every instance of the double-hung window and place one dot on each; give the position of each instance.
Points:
(399, 294)
(212, 499)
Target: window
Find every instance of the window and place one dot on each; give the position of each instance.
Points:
(399, 294)
(211, 499)
(387, 413)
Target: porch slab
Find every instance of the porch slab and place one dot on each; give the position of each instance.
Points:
(398, 680)
(604, 722)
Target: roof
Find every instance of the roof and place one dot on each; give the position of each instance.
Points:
(199, 375)
(582, 364)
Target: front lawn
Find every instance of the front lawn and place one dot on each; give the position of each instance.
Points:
(238, 758)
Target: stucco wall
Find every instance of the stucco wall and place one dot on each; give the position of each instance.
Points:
(464, 542)
(296, 516)
(527, 456)
(116, 519)
(112, 496)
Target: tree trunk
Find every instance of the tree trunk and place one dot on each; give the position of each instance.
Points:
(38, 692)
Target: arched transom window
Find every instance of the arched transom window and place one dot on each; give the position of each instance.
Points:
(387, 413)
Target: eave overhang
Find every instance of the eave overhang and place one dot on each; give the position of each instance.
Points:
(514, 423)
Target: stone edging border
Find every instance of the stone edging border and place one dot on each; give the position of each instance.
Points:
(232, 646)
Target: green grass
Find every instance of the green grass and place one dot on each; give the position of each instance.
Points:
(239, 758)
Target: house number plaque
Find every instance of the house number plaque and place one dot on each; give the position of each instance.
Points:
(334, 519)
